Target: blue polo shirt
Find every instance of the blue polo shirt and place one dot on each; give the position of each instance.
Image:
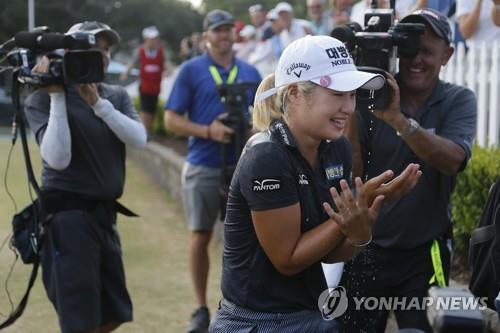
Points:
(195, 92)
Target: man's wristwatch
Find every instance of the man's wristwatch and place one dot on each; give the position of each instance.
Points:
(412, 127)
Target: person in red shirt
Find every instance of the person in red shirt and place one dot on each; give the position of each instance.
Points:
(151, 59)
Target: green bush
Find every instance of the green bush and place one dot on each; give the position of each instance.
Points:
(471, 193)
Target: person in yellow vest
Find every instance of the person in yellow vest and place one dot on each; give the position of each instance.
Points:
(195, 93)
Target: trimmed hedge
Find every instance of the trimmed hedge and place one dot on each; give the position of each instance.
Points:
(471, 193)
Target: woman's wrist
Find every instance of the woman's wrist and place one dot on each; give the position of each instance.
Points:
(357, 243)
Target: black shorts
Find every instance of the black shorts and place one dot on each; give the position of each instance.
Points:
(149, 103)
(83, 270)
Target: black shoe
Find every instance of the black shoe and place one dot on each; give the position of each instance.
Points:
(200, 319)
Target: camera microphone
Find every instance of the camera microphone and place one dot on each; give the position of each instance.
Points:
(346, 34)
(27, 39)
(52, 41)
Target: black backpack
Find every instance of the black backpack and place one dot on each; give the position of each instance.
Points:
(484, 250)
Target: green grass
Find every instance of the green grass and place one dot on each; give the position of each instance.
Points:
(154, 251)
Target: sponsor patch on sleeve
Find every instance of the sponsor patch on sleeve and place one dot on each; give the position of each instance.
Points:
(266, 184)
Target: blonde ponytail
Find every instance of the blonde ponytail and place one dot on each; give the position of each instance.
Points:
(267, 110)
(273, 107)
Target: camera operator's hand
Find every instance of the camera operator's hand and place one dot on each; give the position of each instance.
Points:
(219, 132)
(392, 114)
(355, 215)
(88, 92)
(395, 188)
(43, 67)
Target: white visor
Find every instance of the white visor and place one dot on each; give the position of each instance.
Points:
(324, 61)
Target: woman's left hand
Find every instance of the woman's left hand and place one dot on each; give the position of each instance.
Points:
(355, 215)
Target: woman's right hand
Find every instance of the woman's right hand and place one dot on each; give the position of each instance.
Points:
(355, 215)
(42, 68)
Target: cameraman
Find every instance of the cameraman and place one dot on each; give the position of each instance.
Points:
(429, 122)
(82, 131)
(195, 92)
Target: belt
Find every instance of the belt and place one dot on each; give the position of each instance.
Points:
(58, 201)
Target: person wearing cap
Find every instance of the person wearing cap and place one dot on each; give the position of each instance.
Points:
(268, 50)
(280, 224)
(152, 61)
(195, 93)
(258, 19)
(429, 122)
(293, 28)
(246, 46)
(82, 131)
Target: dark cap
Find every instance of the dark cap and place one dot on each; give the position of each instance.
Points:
(216, 18)
(433, 19)
(94, 27)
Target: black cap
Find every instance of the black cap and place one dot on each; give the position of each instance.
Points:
(433, 19)
(216, 18)
(94, 27)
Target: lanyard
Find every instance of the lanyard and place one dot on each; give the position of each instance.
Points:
(218, 79)
(437, 264)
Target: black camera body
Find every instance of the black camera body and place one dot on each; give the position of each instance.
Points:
(234, 97)
(78, 64)
(376, 48)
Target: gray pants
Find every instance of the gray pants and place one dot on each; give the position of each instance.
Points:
(200, 195)
(231, 318)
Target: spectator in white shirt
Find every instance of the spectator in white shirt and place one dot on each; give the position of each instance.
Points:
(292, 28)
(258, 19)
(319, 17)
(268, 50)
(479, 20)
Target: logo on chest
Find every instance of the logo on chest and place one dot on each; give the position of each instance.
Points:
(266, 185)
(303, 179)
(334, 172)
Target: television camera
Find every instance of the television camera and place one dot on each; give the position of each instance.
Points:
(376, 48)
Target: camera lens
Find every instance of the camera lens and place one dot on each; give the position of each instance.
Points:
(79, 70)
(83, 66)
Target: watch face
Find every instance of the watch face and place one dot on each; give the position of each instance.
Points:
(413, 125)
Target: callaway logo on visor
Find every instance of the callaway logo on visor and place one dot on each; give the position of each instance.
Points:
(266, 184)
(295, 68)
